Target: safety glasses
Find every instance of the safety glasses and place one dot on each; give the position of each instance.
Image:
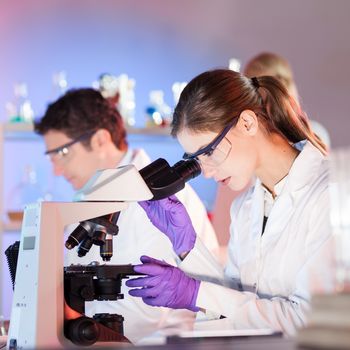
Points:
(216, 151)
(62, 153)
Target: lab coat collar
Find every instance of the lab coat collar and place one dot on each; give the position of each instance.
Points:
(302, 172)
(301, 175)
(138, 157)
(304, 168)
(127, 159)
(269, 199)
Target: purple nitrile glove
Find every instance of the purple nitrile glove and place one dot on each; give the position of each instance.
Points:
(164, 285)
(170, 216)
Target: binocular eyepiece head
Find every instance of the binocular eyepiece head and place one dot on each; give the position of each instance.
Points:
(164, 180)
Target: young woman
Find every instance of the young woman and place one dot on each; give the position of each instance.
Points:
(263, 64)
(238, 129)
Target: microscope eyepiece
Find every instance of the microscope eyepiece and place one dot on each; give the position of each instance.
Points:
(187, 169)
(164, 180)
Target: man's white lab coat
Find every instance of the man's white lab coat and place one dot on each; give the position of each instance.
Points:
(137, 236)
(269, 278)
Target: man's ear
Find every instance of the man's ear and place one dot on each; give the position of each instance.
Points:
(248, 122)
(100, 138)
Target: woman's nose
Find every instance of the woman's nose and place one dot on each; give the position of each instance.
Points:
(208, 171)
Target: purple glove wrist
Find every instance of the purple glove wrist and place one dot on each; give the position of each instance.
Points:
(164, 285)
(170, 216)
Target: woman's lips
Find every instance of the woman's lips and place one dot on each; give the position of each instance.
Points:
(225, 181)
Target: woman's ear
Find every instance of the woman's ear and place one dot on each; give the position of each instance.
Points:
(248, 122)
(100, 139)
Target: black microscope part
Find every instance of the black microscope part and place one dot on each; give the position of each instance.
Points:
(76, 237)
(94, 282)
(99, 236)
(106, 250)
(85, 331)
(12, 256)
(95, 231)
(164, 180)
(85, 246)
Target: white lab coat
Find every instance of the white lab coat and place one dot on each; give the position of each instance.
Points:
(137, 236)
(269, 278)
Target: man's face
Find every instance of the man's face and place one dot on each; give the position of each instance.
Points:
(75, 162)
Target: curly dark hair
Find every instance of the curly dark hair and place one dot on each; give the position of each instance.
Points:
(80, 111)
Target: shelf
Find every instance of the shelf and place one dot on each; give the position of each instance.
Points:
(11, 226)
(19, 131)
(162, 131)
(18, 127)
(25, 130)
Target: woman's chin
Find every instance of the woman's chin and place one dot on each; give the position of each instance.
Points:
(236, 186)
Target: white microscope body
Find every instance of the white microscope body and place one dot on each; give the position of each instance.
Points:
(37, 317)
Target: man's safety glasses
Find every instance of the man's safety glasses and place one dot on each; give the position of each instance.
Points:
(216, 151)
(62, 153)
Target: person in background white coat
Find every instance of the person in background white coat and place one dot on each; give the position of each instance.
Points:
(272, 64)
(280, 245)
(83, 133)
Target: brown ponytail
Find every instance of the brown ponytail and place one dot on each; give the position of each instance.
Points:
(284, 114)
(215, 98)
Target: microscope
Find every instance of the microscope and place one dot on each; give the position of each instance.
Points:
(42, 285)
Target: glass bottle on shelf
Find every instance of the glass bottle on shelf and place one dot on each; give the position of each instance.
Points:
(20, 109)
(121, 91)
(177, 88)
(158, 113)
(234, 64)
(126, 103)
(59, 84)
(28, 190)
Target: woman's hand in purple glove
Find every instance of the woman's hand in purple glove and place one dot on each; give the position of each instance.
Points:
(164, 285)
(170, 216)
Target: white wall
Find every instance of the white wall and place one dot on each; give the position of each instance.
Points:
(160, 41)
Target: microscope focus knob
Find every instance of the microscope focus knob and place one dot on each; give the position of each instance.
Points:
(82, 331)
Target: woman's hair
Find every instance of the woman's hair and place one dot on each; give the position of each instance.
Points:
(215, 98)
(80, 111)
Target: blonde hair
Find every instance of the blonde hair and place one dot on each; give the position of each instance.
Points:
(274, 65)
(271, 64)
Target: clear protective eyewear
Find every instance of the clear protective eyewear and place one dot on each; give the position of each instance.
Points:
(216, 152)
(62, 153)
